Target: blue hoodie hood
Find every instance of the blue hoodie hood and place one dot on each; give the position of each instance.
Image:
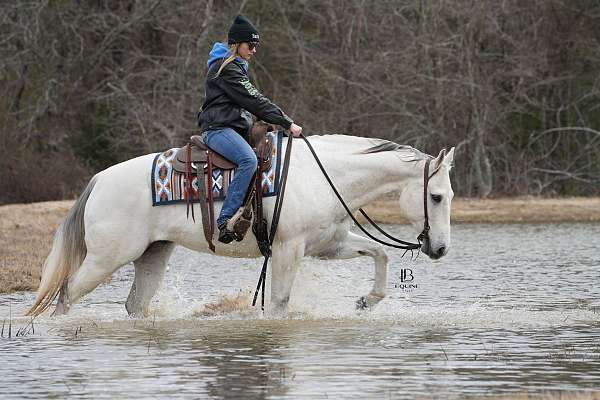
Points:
(221, 50)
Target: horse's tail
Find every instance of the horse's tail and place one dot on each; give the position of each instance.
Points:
(67, 254)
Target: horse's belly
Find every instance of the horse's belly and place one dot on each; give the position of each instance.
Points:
(247, 248)
(323, 240)
(195, 240)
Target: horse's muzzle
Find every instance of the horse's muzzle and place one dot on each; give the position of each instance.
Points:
(434, 254)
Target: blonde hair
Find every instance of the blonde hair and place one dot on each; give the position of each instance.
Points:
(233, 49)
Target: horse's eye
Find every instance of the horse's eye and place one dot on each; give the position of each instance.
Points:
(436, 198)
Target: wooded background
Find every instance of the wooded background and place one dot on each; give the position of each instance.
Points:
(513, 84)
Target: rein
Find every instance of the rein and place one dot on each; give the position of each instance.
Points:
(266, 250)
(404, 244)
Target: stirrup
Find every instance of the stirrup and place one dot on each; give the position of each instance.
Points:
(240, 223)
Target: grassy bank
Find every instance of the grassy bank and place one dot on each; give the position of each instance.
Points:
(554, 395)
(27, 230)
(26, 233)
(509, 210)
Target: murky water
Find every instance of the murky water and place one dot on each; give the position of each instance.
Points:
(512, 308)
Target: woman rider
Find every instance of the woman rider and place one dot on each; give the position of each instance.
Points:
(225, 119)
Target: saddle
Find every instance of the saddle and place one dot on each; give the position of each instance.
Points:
(199, 151)
(199, 156)
(195, 158)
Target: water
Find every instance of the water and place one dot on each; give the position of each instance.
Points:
(512, 308)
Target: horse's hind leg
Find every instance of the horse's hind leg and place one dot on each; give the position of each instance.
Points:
(149, 272)
(357, 246)
(93, 271)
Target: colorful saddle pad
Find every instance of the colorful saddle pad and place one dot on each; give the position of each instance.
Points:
(169, 186)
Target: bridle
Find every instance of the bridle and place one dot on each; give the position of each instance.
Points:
(426, 177)
(404, 245)
(407, 246)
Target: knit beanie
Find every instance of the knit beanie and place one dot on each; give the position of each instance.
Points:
(242, 30)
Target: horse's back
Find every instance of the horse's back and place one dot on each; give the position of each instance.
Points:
(128, 172)
(120, 202)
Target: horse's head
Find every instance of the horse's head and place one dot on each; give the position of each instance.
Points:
(438, 196)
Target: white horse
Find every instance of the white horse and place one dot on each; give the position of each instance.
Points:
(114, 223)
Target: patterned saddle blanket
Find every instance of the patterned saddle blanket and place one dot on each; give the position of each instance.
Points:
(169, 186)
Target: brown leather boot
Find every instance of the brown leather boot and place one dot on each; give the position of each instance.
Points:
(225, 234)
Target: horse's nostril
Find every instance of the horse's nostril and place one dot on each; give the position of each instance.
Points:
(441, 251)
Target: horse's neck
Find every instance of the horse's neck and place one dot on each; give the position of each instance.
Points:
(362, 178)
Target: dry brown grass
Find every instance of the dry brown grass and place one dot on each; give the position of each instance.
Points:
(560, 395)
(27, 230)
(509, 210)
(26, 234)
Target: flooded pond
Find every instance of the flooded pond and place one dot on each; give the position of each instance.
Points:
(512, 308)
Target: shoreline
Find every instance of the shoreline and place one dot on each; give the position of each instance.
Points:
(502, 210)
(27, 230)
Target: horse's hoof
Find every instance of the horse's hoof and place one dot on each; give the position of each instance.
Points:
(61, 309)
(368, 302)
(278, 313)
(362, 304)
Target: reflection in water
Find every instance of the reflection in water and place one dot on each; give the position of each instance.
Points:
(244, 358)
(519, 316)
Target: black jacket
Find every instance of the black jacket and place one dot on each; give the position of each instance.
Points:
(230, 98)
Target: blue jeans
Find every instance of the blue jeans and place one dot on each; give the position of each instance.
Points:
(233, 147)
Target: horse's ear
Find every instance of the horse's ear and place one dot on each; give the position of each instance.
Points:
(439, 159)
(449, 159)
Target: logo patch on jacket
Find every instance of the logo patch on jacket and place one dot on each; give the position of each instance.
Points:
(248, 86)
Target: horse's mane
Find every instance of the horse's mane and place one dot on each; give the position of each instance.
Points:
(357, 144)
(407, 153)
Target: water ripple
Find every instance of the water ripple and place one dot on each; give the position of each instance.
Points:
(511, 308)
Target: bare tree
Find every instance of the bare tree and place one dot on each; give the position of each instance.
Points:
(513, 85)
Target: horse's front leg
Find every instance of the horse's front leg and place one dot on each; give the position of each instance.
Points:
(357, 246)
(284, 264)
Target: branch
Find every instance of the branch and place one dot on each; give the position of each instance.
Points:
(568, 128)
(565, 174)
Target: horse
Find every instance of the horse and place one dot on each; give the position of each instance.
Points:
(113, 221)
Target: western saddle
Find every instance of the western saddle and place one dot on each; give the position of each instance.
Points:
(195, 158)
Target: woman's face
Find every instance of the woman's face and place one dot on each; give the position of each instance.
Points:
(247, 50)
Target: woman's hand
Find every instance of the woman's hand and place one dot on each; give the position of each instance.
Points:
(296, 130)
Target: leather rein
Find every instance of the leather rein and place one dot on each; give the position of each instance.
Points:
(265, 247)
(404, 245)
